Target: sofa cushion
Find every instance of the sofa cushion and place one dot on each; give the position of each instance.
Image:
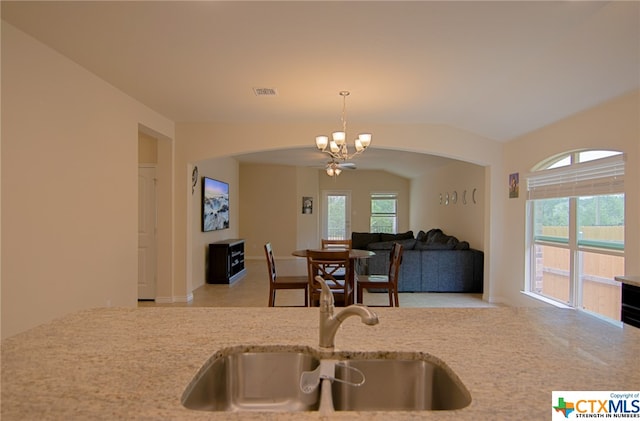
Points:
(396, 237)
(423, 245)
(407, 244)
(360, 240)
(380, 245)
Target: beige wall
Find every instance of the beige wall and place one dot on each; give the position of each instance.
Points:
(360, 184)
(612, 125)
(269, 210)
(226, 170)
(271, 204)
(308, 224)
(69, 186)
(429, 208)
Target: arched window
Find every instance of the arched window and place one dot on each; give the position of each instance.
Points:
(576, 230)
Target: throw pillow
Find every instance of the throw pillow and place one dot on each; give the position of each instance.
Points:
(360, 240)
(396, 237)
(433, 234)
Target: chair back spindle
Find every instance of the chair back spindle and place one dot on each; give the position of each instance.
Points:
(334, 266)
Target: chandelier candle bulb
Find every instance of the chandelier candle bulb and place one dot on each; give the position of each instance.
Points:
(365, 139)
(322, 142)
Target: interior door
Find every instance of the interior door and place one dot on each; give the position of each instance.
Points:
(336, 221)
(147, 227)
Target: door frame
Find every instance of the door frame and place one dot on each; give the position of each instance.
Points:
(325, 211)
(154, 205)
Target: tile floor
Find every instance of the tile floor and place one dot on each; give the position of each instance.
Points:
(252, 290)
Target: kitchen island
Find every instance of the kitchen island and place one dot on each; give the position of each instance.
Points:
(135, 363)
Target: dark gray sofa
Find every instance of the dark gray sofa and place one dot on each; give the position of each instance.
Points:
(431, 262)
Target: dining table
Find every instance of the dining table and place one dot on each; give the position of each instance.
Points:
(354, 256)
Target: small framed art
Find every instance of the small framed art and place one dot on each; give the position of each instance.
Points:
(307, 205)
(514, 185)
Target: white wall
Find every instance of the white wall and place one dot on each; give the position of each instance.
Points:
(69, 186)
(612, 125)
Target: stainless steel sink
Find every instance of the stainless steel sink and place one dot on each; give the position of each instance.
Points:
(263, 380)
(269, 379)
(398, 385)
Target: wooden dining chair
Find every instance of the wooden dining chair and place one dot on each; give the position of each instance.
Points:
(388, 282)
(334, 266)
(283, 282)
(336, 244)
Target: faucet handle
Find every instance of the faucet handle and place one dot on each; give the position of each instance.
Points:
(326, 296)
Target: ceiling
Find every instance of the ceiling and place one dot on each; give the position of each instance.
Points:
(496, 69)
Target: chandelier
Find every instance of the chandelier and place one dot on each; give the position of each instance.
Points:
(337, 146)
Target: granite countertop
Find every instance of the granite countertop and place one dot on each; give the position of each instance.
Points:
(136, 363)
(630, 280)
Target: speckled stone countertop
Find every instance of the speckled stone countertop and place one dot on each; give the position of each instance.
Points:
(135, 363)
(630, 280)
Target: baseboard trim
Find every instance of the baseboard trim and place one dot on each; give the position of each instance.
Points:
(170, 300)
(185, 299)
(545, 300)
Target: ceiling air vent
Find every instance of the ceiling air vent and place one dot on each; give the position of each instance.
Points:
(265, 91)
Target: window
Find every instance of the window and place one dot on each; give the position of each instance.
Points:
(576, 210)
(384, 210)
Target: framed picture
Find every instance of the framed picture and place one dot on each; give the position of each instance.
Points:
(307, 205)
(514, 185)
(215, 205)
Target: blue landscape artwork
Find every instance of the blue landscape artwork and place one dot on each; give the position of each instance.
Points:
(215, 205)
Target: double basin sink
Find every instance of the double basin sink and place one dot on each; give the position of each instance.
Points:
(269, 379)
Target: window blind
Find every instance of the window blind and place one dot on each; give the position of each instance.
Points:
(600, 176)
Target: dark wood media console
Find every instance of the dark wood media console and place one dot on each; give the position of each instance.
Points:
(225, 261)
